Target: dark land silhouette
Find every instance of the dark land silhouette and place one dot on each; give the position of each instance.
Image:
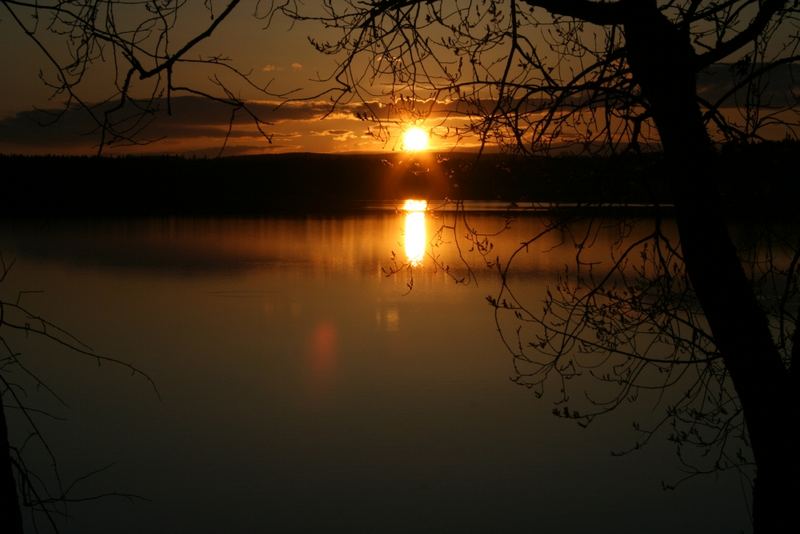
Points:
(754, 180)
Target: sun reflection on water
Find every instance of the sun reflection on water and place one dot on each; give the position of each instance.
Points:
(415, 231)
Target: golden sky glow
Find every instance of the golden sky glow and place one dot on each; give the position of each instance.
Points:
(279, 58)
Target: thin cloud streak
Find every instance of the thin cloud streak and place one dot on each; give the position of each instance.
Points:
(192, 118)
(198, 124)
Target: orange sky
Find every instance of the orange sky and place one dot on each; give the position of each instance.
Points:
(279, 57)
(200, 127)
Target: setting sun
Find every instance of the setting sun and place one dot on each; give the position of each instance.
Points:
(415, 205)
(415, 139)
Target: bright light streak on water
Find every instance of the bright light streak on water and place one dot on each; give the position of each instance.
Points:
(415, 237)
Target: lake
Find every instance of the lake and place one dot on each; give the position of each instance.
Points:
(305, 388)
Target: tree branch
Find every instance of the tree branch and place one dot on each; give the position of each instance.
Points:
(600, 13)
(767, 10)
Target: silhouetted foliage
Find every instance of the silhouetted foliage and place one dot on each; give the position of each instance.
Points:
(532, 75)
(144, 50)
(608, 77)
(684, 305)
(329, 183)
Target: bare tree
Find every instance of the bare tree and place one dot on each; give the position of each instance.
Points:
(530, 75)
(140, 52)
(679, 307)
(45, 495)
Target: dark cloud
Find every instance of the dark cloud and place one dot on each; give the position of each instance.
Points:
(193, 123)
(186, 118)
(193, 118)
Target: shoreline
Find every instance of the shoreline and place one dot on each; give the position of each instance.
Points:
(754, 182)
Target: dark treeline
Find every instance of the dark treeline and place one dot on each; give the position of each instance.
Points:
(755, 179)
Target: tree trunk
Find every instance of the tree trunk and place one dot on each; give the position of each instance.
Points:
(663, 64)
(10, 517)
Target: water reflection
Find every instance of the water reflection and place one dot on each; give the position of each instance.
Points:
(299, 247)
(314, 392)
(415, 233)
(324, 348)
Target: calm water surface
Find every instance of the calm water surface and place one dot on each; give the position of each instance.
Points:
(304, 390)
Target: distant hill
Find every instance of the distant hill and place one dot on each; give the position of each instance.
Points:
(758, 178)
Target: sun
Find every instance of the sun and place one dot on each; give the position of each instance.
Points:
(415, 139)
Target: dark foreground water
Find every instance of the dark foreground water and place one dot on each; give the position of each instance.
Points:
(303, 390)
